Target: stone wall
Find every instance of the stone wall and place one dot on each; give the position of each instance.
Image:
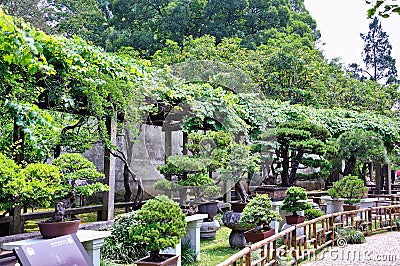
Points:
(148, 153)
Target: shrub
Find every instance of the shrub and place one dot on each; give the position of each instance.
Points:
(295, 200)
(119, 247)
(312, 214)
(257, 213)
(349, 187)
(160, 224)
(351, 235)
(11, 182)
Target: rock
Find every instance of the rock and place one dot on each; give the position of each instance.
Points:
(231, 220)
(236, 239)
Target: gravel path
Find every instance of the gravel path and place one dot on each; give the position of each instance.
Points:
(381, 249)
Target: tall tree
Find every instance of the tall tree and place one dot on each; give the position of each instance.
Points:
(380, 65)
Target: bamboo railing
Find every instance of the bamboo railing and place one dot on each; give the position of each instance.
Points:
(305, 240)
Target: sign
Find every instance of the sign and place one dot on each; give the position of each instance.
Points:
(60, 251)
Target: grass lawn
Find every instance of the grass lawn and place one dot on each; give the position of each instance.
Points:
(216, 250)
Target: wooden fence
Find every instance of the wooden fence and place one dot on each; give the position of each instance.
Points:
(305, 240)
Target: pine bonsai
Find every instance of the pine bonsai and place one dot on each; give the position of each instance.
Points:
(160, 224)
(295, 200)
(349, 187)
(257, 214)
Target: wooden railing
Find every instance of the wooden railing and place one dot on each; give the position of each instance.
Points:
(305, 240)
(6, 223)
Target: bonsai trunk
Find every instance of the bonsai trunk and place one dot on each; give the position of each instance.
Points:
(349, 169)
(285, 166)
(295, 166)
(241, 192)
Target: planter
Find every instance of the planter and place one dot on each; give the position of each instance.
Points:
(348, 207)
(274, 192)
(252, 237)
(50, 230)
(170, 260)
(295, 219)
(210, 208)
(238, 206)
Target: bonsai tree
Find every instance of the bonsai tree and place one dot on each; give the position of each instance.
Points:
(295, 200)
(351, 188)
(37, 185)
(257, 215)
(160, 224)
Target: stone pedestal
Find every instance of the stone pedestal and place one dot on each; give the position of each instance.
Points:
(192, 236)
(368, 202)
(236, 237)
(209, 229)
(333, 205)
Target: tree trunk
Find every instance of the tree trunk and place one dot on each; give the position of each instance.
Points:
(295, 166)
(349, 169)
(285, 166)
(19, 143)
(241, 192)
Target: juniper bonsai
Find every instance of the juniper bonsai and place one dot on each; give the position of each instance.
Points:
(295, 200)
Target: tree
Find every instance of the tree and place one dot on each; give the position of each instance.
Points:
(360, 145)
(386, 11)
(380, 65)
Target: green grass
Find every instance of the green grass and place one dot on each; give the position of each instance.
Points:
(216, 250)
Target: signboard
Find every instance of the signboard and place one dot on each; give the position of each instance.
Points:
(60, 251)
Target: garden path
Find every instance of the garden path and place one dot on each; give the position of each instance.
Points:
(379, 249)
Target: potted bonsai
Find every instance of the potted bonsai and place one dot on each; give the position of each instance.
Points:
(257, 215)
(351, 189)
(78, 177)
(294, 202)
(160, 224)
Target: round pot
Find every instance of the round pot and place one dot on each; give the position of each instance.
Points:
(50, 230)
(210, 208)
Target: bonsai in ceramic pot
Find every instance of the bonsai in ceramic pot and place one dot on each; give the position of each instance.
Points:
(79, 177)
(351, 189)
(258, 216)
(294, 202)
(160, 224)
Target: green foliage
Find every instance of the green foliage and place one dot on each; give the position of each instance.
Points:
(42, 185)
(311, 214)
(382, 7)
(351, 235)
(11, 182)
(257, 213)
(377, 54)
(196, 179)
(164, 184)
(189, 256)
(119, 247)
(160, 224)
(349, 187)
(360, 145)
(212, 191)
(295, 200)
(74, 166)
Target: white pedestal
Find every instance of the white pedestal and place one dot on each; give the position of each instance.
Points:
(276, 205)
(92, 241)
(368, 202)
(333, 205)
(192, 236)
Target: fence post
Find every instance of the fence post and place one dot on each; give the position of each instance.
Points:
(294, 243)
(369, 229)
(332, 229)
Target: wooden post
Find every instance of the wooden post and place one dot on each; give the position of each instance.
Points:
(109, 171)
(168, 143)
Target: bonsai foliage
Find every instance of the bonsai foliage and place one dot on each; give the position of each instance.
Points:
(257, 215)
(37, 185)
(295, 200)
(160, 224)
(301, 144)
(79, 174)
(349, 187)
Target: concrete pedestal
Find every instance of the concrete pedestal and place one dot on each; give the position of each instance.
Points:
(333, 205)
(192, 236)
(368, 202)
